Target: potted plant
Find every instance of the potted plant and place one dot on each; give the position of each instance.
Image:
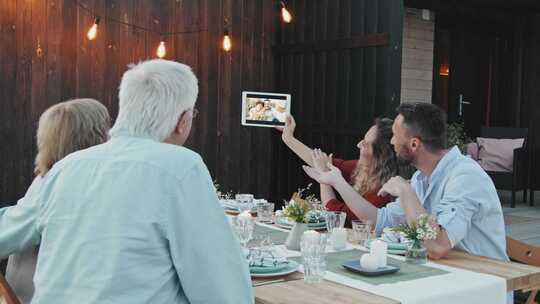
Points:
(456, 136)
(417, 232)
(298, 210)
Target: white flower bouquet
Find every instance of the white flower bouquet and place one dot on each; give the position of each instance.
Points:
(417, 232)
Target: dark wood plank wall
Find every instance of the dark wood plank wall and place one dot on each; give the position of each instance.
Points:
(530, 90)
(46, 58)
(339, 58)
(341, 61)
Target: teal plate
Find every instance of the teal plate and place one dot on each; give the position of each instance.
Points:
(292, 267)
(287, 224)
(258, 269)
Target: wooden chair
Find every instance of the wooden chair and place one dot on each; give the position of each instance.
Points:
(526, 254)
(7, 295)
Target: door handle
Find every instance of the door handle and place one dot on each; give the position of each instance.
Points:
(461, 103)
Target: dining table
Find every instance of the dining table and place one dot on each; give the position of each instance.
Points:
(335, 289)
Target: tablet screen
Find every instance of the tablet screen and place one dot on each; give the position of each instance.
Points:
(265, 109)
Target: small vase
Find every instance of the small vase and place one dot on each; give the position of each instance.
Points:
(416, 253)
(295, 235)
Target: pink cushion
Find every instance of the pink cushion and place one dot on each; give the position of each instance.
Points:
(472, 150)
(497, 154)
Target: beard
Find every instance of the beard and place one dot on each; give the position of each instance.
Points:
(404, 157)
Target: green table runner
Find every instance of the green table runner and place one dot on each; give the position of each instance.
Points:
(407, 272)
(278, 237)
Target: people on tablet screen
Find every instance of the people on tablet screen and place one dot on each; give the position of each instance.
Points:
(266, 110)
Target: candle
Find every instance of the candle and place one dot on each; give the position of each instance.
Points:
(339, 238)
(310, 236)
(379, 249)
(369, 262)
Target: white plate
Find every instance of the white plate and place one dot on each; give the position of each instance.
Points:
(293, 266)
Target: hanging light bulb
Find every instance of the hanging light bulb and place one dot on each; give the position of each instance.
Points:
(161, 51)
(92, 32)
(227, 45)
(285, 14)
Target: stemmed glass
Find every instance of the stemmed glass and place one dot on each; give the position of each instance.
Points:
(243, 227)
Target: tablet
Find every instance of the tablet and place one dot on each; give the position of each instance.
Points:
(265, 109)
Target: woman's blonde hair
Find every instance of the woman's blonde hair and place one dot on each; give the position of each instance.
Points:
(67, 127)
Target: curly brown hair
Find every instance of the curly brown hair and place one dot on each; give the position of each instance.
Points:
(384, 165)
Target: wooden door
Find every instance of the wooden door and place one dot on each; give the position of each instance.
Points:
(469, 75)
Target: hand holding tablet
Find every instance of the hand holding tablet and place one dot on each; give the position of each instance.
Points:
(265, 109)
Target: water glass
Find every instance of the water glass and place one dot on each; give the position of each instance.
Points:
(243, 228)
(245, 202)
(335, 219)
(313, 255)
(265, 212)
(361, 232)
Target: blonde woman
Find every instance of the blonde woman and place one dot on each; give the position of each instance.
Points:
(63, 128)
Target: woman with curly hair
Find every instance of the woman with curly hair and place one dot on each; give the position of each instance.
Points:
(376, 164)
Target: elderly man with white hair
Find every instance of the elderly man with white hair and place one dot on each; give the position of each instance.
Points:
(136, 219)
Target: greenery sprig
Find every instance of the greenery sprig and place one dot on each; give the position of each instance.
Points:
(303, 207)
(220, 194)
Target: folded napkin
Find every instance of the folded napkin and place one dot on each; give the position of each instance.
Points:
(231, 204)
(393, 245)
(262, 258)
(286, 222)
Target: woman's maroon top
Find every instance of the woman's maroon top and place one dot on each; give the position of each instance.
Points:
(347, 169)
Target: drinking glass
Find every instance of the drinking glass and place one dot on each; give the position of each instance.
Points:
(313, 255)
(361, 232)
(265, 212)
(335, 219)
(243, 227)
(245, 202)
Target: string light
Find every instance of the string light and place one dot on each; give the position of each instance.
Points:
(227, 45)
(92, 32)
(285, 14)
(161, 50)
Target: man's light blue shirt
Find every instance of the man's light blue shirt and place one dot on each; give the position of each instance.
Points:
(464, 200)
(129, 221)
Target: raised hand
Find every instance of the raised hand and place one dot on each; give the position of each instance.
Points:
(288, 130)
(394, 187)
(321, 160)
(330, 177)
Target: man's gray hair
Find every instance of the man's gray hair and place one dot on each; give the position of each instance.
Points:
(152, 96)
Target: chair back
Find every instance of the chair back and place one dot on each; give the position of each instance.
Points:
(6, 293)
(522, 252)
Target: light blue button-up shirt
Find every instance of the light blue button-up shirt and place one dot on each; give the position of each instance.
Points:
(129, 221)
(464, 200)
